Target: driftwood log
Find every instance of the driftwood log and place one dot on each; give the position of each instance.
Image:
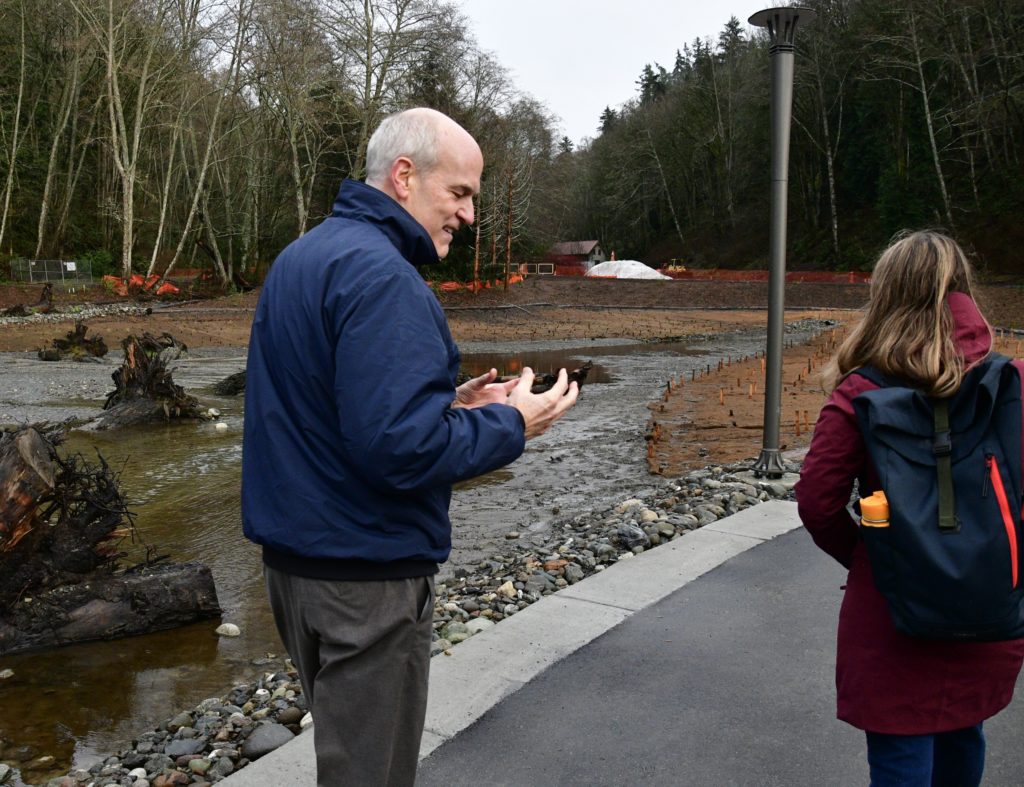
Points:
(120, 605)
(62, 524)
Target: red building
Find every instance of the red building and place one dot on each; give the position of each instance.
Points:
(568, 258)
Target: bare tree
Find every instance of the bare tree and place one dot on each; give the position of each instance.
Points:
(128, 33)
(376, 44)
(12, 153)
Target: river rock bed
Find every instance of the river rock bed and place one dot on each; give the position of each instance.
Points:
(220, 735)
(83, 312)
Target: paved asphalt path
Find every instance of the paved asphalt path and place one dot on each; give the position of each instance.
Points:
(727, 681)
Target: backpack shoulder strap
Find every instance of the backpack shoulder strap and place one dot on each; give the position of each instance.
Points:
(873, 374)
(942, 447)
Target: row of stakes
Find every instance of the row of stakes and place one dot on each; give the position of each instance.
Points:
(822, 352)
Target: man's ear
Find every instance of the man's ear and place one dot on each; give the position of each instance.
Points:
(402, 171)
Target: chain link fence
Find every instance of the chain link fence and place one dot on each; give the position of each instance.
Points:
(67, 272)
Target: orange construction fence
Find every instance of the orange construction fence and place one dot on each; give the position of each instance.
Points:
(717, 274)
(137, 282)
(475, 286)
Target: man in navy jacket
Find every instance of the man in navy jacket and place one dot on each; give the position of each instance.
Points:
(354, 435)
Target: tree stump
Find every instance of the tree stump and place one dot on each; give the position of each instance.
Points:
(76, 345)
(62, 521)
(143, 387)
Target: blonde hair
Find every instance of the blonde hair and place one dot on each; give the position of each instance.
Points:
(907, 330)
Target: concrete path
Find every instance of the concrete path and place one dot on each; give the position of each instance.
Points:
(701, 662)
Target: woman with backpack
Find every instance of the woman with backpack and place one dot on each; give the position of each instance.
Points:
(920, 701)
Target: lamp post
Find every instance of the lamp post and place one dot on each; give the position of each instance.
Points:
(781, 24)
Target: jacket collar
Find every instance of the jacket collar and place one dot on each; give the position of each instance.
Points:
(360, 202)
(972, 334)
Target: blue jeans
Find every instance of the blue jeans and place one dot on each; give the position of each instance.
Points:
(945, 759)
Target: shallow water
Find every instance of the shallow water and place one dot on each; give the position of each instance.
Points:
(82, 702)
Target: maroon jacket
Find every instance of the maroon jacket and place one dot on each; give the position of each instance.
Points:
(888, 682)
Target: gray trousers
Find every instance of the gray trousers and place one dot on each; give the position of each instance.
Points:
(362, 650)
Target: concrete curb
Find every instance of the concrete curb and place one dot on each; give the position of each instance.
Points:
(497, 662)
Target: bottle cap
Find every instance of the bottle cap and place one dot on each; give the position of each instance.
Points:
(875, 508)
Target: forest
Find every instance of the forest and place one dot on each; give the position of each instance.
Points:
(150, 135)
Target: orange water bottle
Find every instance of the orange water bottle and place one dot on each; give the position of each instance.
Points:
(874, 510)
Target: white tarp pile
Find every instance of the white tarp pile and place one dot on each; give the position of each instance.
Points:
(626, 269)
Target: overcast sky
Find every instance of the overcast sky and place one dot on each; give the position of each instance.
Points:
(579, 56)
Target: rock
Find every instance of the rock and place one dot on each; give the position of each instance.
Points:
(171, 779)
(290, 715)
(628, 505)
(7, 673)
(456, 632)
(646, 515)
(207, 704)
(184, 746)
(507, 590)
(200, 766)
(157, 763)
(307, 721)
(183, 719)
(5, 773)
(263, 740)
(477, 625)
(228, 630)
(137, 773)
(631, 536)
(221, 768)
(573, 573)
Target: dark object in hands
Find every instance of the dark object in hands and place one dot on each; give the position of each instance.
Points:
(543, 381)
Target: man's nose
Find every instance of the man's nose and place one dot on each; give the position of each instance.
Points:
(465, 213)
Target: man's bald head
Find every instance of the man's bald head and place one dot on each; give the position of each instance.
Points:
(431, 166)
(417, 134)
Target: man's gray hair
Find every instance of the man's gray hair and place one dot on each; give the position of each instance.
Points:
(412, 133)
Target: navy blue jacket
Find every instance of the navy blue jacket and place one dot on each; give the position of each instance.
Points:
(351, 445)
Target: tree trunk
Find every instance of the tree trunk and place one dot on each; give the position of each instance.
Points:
(508, 233)
(71, 98)
(12, 159)
(664, 185)
(929, 121)
(829, 162)
(476, 248)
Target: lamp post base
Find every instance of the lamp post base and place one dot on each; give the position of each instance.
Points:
(769, 464)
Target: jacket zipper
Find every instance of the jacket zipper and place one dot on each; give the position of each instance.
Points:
(1004, 509)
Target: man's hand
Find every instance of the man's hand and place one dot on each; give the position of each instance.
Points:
(483, 390)
(539, 411)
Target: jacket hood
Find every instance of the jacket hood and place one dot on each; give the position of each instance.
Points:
(360, 202)
(972, 333)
